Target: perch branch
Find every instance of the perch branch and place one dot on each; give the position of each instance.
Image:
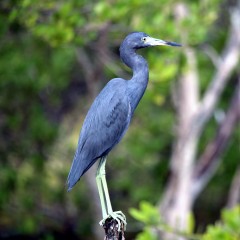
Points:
(229, 60)
(234, 193)
(210, 159)
(111, 230)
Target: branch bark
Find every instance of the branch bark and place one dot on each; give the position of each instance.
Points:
(176, 202)
(209, 161)
(229, 60)
(234, 193)
(111, 230)
(193, 115)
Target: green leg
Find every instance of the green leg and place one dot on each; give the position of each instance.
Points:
(100, 190)
(104, 185)
(104, 196)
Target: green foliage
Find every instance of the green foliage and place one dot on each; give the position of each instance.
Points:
(54, 23)
(226, 229)
(32, 78)
(146, 214)
(191, 224)
(146, 235)
(149, 216)
(38, 73)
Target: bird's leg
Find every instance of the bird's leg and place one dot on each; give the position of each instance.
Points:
(104, 185)
(104, 196)
(100, 190)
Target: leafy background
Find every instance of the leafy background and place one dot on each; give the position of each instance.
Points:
(45, 94)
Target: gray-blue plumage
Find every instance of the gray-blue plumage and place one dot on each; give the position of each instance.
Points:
(110, 114)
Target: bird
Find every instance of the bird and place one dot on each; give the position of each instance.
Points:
(109, 117)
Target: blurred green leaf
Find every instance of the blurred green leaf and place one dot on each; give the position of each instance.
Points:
(44, 93)
(228, 228)
(147, 214)
(146, 235)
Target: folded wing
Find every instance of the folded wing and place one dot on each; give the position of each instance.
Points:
(105, 124)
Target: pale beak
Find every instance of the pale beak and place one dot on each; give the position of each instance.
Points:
(156, 42)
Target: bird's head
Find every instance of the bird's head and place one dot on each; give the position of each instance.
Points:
(137, 40)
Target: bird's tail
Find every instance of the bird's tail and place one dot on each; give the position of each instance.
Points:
(79, 166)
(76, 171)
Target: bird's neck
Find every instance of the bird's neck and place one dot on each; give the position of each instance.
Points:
(138, 65)
(138, 83)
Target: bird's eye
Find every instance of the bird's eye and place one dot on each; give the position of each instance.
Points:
(144, 39)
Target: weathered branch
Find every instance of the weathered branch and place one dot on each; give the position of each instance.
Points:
(192, 117)
(111, 230)
(229, 60)
(213, 55)
(234, 193)
(175, 205)
(187, 103)
(210, 159)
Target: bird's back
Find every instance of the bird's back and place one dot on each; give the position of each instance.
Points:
(105, 124)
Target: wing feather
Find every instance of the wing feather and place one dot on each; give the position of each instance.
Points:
(105, 124)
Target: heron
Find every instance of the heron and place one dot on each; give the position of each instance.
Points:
(109, 117)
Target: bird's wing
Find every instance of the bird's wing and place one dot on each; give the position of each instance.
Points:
(105, 124)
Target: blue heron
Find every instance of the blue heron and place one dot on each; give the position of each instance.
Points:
(109, 117)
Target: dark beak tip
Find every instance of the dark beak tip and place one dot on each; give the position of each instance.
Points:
(174, 44)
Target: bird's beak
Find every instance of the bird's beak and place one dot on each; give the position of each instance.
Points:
(156, 42)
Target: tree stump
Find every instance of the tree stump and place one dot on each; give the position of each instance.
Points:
(111, 230)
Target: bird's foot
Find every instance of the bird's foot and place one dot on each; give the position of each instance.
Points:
(119, 217)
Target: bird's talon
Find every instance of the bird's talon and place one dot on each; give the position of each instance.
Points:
(119, 217)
